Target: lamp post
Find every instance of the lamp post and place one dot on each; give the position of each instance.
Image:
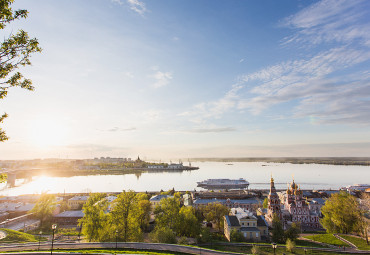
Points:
(200, 250)
(116, 237)
(53, 227)
(274, 245)
(40, 233)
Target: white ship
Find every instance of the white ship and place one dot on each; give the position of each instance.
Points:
(224, 184)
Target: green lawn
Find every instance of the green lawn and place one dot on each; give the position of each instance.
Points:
(269, 251)
(359, 242)
(327, 238)
(17, 237)
(120, 251)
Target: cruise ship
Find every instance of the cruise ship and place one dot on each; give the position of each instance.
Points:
(223, 184)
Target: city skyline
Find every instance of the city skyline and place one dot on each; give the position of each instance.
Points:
(175, 79)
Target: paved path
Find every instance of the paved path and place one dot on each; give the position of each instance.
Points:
(137, 246)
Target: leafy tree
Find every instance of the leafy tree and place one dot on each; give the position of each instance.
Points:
(255, 250)
(341, 213)
(95, 222)
(215, 212)
(144, 208)
(290, 245)
(167, 213)
(43, 210)
(265, 203)
(277, 230)
(293, 232)
(162, 234)
(15, 52)
(125, 215)
(364, 222)
(205, 236)
(188, 224)
(236, 236)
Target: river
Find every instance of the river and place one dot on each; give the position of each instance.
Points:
(309, 176)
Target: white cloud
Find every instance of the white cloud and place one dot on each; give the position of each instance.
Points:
(331, 20)
(137, 6)
(321, 84)
(162, 79)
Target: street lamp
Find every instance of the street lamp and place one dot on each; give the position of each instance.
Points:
(53, 227)
(116, 237)
(40, 233)
(274, 246)
(200, 250)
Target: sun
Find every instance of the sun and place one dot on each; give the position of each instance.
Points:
(45, 133)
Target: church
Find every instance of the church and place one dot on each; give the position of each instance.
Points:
(294, 209)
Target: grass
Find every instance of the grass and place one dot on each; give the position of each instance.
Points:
(359, 242)
(17, 237)
(327, 238)
(308, 244)
(269, 251)
(120, 251)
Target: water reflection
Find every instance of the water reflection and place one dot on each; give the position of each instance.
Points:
(309, 176)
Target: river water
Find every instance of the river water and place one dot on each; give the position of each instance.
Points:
(309, 176)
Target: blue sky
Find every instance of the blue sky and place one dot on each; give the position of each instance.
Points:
(170, 79)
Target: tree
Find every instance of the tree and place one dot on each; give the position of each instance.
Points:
(95, 223)
(15, 52)
(277, 230)
(125, 216)
(341, 213)
(293, 232)
(144, 208)
(215, 212)
(265, 203)
(43, 210)
(364, 222)
(188, 224)
(236, 236)
(290, 245)
(167, 213)
(163, 234)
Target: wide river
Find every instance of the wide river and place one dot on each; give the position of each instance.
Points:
(309, 176)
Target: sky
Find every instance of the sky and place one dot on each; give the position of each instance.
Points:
(170, 79)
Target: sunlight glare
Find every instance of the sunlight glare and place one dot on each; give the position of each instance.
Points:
(47, 132)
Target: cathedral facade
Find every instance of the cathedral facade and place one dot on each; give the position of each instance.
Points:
(297, 209)
(294, 209)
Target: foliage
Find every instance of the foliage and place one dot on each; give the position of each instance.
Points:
(341, 213)
(290, 245)
(215, 212)
(144, 209)
(15, 52)
(293, 232)
(125, 216)
(359, 242)
(167, 213)
(163, 234)
(277, 230)
(255, 250)
(17, 237)
(64, 206)
(188, 224)
(205, 236)
(95, 220)
(328, 239)
(43, 210)
(265, 203)
(236, 236)
(182, 240)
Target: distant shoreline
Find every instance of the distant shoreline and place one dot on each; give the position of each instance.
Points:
(347, 161)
